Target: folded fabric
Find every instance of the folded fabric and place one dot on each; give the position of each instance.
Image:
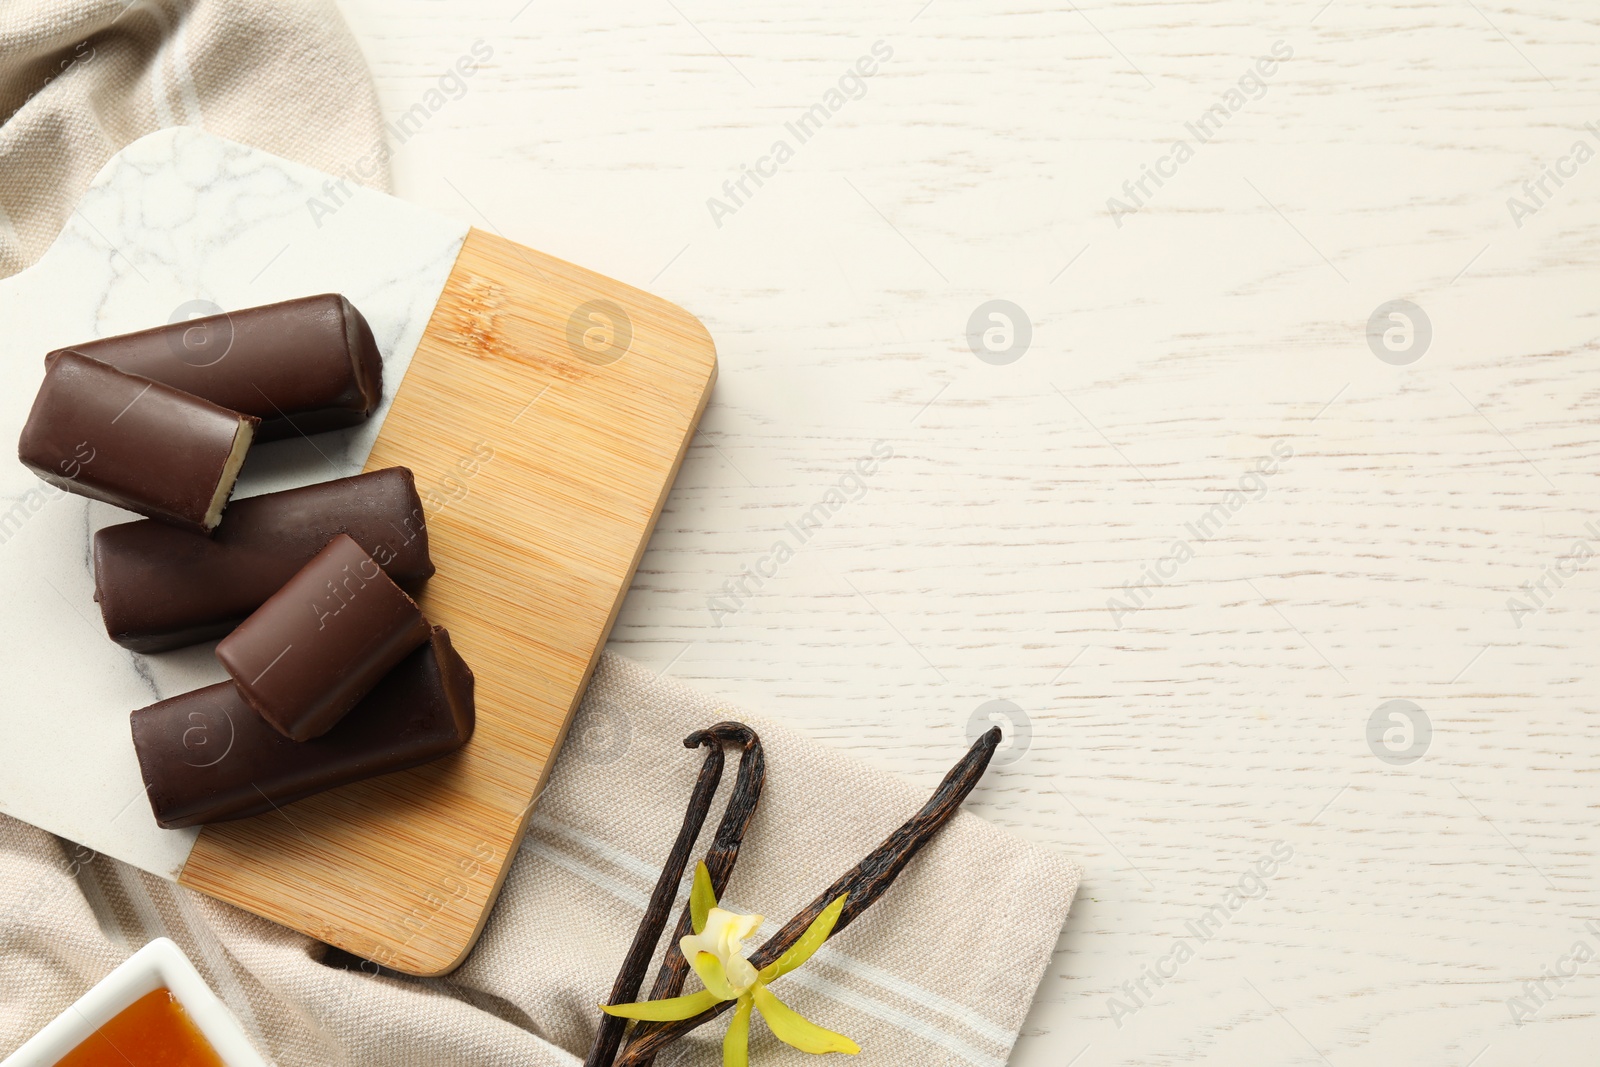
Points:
(941, 970)
(80, 79)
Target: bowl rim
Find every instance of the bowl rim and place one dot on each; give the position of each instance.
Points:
(161, 963)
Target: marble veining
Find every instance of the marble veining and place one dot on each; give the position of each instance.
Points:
(177, 217)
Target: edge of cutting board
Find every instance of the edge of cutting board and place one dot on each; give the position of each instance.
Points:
(543, 467)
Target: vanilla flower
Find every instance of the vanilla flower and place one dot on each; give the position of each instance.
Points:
(716, 952)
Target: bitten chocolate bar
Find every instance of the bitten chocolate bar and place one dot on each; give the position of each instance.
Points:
(207, 757)
(319, 644)
(134, 443)
(161, 588)
(301, 366)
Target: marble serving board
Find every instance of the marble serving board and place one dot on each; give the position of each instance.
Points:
(545, 410)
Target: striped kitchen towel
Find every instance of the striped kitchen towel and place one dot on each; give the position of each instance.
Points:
(942, 970)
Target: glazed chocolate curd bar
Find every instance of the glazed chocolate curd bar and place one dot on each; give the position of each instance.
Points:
(134, 442)
(206, 756)
(160, 588)
(301, 366)
(319, 644)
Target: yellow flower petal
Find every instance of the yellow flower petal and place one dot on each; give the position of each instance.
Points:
(709, 968)
(701, 898)
(666, 1011)
(736, 1042)
(794, 1029)
(820, 930)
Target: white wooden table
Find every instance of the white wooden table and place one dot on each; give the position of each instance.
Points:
(1176, 339)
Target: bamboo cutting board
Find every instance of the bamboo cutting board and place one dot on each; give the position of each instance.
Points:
(544, 460)
(545, 410)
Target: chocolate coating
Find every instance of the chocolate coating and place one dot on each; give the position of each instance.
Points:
(319, 644)
(301, 366)
(207, 757)
(133, 442)
(161, 588)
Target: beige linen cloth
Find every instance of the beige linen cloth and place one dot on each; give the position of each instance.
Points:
(941, 971)
(80, 79)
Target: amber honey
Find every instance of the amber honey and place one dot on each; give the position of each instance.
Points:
(153, 1031)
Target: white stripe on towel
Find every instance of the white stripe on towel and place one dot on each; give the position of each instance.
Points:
(893, 1016)
(180, 65)
(158, 77)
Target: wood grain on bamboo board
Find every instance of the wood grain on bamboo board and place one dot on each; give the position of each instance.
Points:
(543, 465)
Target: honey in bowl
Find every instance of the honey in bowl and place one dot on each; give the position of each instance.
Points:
(153, 1031)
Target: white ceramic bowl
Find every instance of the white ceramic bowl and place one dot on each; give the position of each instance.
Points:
(160, 963)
